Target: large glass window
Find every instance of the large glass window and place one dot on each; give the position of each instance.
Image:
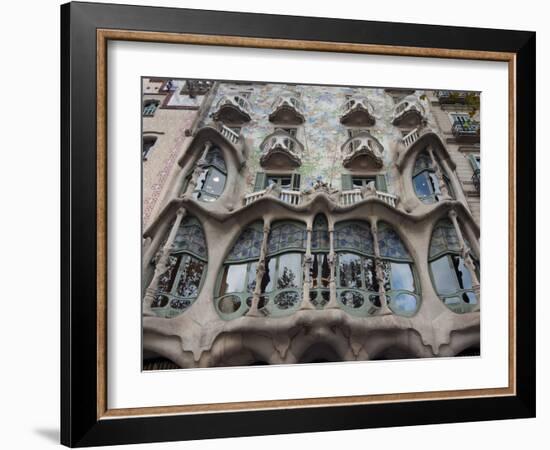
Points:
(358, 283)
(211, 180)
(238, 278)
(452, 279)
(180, 284)
(398, 272)
(281, 287)
(357, 287)
(426, 182)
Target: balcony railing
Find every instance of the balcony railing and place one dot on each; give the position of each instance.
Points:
(281, 143)
(410, 138)
(228, 133)
(233, 102)
(476, 179)
(407, 107)
(466, 130)
(362, 144)
(286, 195)
(361, 110)
(356, 195)
(347, 198)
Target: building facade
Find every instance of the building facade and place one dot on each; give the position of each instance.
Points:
(300, 223)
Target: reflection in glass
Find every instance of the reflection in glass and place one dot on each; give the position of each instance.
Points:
(350, 270)
(233, 278)
(289, 271)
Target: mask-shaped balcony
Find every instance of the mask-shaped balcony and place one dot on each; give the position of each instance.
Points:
(232, 108)
(281, 150)
(466, 131)
(287, 109)
(357, 111)
(362, 151)
(409, 112)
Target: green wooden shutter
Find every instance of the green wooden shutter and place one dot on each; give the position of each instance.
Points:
(347, 183)
(260, 181)
(296, 181)
(381, 184)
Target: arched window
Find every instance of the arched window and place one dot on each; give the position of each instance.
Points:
(399, 278)
(179, 285)
(281, 286)
(238, 279)
(451, 278)
(211, 180)
(149, 107)
(319, 270)
(426, 182)
(356, 280)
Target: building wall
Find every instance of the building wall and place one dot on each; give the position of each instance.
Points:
(175, 115)
(197, 335)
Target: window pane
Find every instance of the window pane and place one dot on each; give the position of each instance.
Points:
(233, 278)
(167, 278)
(435, 183)
(404, 304)
(314, 270)
(215, 182)
(191, 274)
(251, 277)
(443, 275)
(422, 185)
(402, 277)
(325, 271)
(289, 271)
(350, 270)
(229, 304)
(352, 299)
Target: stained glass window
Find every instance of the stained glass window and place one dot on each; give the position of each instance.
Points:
(248, 244)
(354, 236)
(285, 236)
(390, 244)
(452, 279)
(320, 239)
(179, 286)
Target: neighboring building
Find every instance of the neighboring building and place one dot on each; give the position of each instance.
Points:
(310, 223)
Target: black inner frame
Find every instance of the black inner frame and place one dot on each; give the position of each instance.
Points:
(79, 425)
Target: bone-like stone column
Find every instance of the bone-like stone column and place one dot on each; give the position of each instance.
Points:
(162, 262)
(465, 250)
(332, 304)
(198, 169)
(384, 309)
(442, 184)
(306, 301)
(253, 311)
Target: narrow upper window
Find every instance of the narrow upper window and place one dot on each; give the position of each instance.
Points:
(211, 181)
(148, 143)
(149, 107)
(426, 181)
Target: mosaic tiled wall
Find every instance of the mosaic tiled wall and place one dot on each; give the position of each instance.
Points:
(323, 134)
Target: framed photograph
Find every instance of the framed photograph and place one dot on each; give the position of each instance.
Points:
(277, 224)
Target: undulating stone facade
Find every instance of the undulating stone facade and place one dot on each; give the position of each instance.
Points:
(300, 223)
